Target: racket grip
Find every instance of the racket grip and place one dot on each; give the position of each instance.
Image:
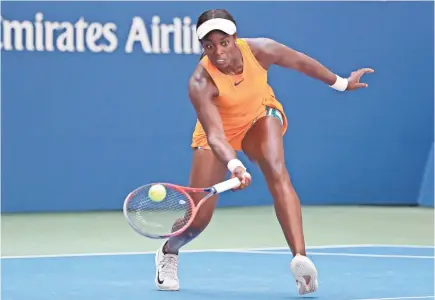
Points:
(228, 184)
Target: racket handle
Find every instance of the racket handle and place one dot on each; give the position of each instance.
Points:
(228, 184)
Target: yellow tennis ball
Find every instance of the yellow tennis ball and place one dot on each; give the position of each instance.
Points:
(157, 193)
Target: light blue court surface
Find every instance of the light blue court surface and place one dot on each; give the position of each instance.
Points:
(346, 272)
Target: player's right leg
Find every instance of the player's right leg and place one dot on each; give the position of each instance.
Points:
(263, 144)
(206, 171)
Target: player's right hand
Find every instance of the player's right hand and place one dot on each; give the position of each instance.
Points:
(244, 177)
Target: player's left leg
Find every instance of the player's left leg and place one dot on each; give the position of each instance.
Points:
(263, 144)
(206, 171)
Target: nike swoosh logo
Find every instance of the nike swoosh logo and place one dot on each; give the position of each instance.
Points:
(237, 83)
(158, 277)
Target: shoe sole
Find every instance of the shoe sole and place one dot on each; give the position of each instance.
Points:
(301, 268)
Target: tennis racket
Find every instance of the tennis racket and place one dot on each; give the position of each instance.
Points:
(172, 215)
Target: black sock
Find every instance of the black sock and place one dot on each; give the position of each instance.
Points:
(175, 243)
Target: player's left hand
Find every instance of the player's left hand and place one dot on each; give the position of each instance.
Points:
(354, 79)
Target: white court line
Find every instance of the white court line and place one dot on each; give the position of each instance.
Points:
(399, 246)
(337, 254)
(183, 251)
(243, 250)
(372, 255)
(399, 298)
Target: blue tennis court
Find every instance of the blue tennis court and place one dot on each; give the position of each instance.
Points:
(346, 272)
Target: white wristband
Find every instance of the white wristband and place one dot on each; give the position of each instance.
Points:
(234, 163)
(340, 84)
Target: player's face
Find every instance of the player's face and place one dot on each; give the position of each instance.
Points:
(219, 47)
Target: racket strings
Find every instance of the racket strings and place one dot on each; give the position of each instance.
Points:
(159, 217)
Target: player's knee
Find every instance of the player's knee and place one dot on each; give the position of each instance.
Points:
(275, 170)
(205, 213)
(203, 217)
(202, 220)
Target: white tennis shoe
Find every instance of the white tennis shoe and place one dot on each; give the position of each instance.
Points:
(305, 273)
(166, 271)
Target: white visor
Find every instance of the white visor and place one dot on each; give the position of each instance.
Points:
(216, 24)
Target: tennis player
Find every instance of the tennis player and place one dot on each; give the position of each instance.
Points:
(237, 111)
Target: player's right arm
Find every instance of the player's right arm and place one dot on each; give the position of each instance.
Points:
(202, 90)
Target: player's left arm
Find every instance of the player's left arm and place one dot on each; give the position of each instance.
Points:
(270, 52)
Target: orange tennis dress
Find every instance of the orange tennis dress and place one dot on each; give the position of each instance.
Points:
(242, 100)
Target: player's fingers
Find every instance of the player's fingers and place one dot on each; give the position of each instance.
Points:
(362, 71)
(357, 85)
(246, 180)
(240, 177)
(361, 85)
(367, 70)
